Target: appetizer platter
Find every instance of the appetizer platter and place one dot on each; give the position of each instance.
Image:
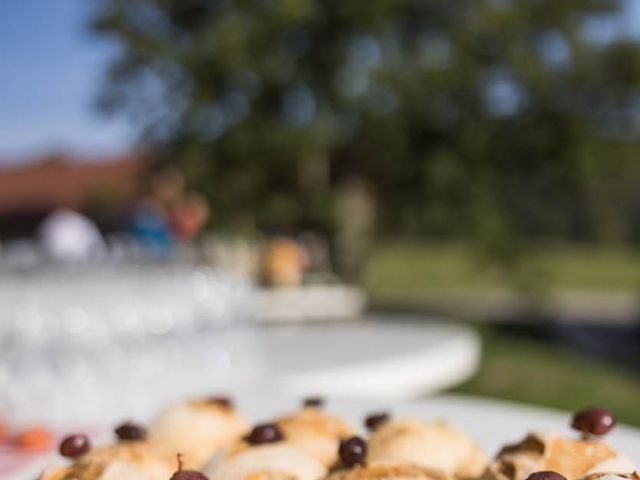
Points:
(445, 438)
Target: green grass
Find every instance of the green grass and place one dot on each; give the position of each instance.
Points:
(525, 370)
(407, 272)
(516, 367)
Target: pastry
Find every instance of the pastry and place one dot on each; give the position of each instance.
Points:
(354, 465)
(125, 460)
(265, 455)
(613, 476)
(198, 428)
(573, 458)
(569, 457)
(311, 444)
(315, 431)
(434, 445)
(388, 472)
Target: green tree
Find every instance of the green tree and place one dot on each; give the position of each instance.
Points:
(468, 117)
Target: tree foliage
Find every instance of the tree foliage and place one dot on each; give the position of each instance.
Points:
(467, 117)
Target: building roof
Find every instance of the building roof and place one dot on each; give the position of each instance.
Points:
(69, 183)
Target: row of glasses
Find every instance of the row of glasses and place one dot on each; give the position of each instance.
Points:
(83, 344)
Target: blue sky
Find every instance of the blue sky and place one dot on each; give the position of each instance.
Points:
(50, 72)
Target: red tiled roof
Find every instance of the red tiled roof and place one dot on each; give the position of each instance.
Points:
(61, 183)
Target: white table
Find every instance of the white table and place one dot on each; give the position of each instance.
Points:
(385, 356)
(392, 357)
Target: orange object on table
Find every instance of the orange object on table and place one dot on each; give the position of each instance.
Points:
(283, 262)
(3, 431)
(34, 439)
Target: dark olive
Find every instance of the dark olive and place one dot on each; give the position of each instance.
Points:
(593, 421)
(374, 420)
(222, 401)
(353, 451)
(265, 433)
(131, 431)
(181, 474)
(74, 445)
(546, 475)
(189, 475)
(316, 402)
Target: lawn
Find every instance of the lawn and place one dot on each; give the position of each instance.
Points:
(517, 367)
(408, 269)
(525, 370)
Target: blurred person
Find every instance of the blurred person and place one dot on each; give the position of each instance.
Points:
(148, 223)
(67, 235)
(166, 185)
(188, 216)
(149, 219)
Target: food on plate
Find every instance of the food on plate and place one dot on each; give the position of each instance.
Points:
(124, 460)
(550, 475)
(208, 439)
(264, 454)
(593, 422)
(374, 420)
(570, 457)
(187, 474)
(435, 445)
(198, 428)
(388, 472)
(315, 431)
(546, 475)
(75, 445)
(355, 466)
(130, 431)
(313, 402)
(613, 476)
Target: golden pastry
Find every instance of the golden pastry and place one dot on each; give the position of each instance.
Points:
(613, 476)
(573, 458)
(435, 445)
(125, 460)
(265, 455)
(198, 428)
(355, 466)
(388, 472)
(316, 432)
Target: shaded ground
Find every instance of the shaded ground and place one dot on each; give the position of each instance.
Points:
(566, 354)
(523, 368)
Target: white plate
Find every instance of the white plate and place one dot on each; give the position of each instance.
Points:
(492, 423)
